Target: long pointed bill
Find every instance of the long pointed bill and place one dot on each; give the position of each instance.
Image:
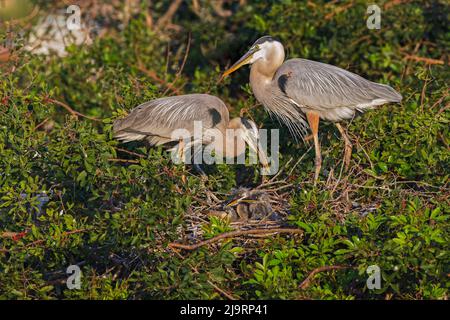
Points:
(241, 200)
(251, 137)
(245, 59)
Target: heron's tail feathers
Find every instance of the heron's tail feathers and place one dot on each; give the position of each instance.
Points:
(123, 133)
(125, 136)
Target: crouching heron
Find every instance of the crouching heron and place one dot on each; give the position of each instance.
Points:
(301, 92)
(191, 121)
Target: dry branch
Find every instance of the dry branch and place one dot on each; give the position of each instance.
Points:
(152, 74)
(306, 283)
(223, 292)
(130, 152)
(171, 85)
(338, 10)
(123, 160)
(393, 3)
(423, 59)
(41, 124)
(167, 17)
(217, 6)
(233, 234)
(70, 110)
(14, 235)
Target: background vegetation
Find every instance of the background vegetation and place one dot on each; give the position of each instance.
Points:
(71, 194)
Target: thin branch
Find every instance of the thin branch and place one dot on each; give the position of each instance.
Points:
(446, 107)
(440, 100)
(167, 17)
(130, 152)
(306, 283)
(41, 124)
(188, 46)
(393, 3)
(423, 59)
(13, 235)
(217, 6)
(123, 160)
(223, 292)
(422, 95)
(70, 110)
(152, 74)
(233, 234)
(338, 10)
(4, 250)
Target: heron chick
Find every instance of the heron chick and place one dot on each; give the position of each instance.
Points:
(301, 92)
(190, 122)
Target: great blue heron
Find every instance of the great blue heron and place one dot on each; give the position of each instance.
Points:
(297, 88)
(173, 120)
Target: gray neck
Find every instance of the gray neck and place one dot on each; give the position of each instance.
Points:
(261, 81)
(263, 85)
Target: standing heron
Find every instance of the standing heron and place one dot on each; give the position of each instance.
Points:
(296, 89)
(173, 120)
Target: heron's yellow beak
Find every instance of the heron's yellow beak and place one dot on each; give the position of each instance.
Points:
(245, 59)
(235, 202)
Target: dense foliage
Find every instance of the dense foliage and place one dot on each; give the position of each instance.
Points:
(71, 194)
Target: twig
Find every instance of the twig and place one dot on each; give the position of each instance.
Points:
(226, 294)
(407, 64)
(219, 10)
(423, 59)
(338, 10)
(443, 109)
(440, 100)
(130, 152)
(164, 19)
(171, 85)
(41, 124)
(306, 283)
(233, 234)
(393, 3)
(422, 95)
(443, 140)
(123, 160)
(152, 74)
(4, 250)
(71, 111)
(279, 172)
(299, 160)
(13, 235)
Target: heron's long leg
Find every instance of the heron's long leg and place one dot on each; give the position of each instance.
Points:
(196, 166)
(200, 170)
(181, 147)
(313, 120)
(348, 146)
